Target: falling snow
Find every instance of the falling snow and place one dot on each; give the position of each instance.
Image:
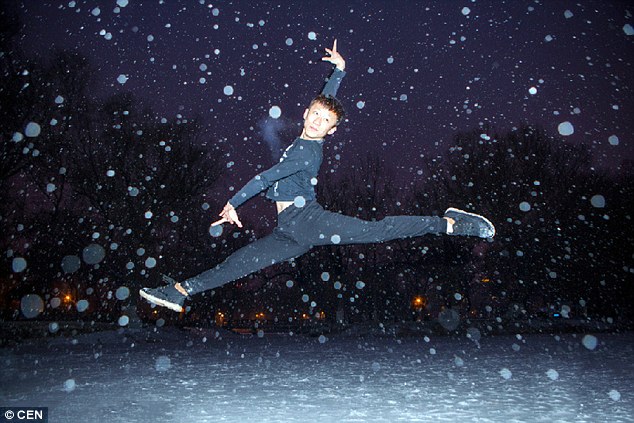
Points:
(124, 142)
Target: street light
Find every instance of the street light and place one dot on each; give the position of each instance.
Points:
(418, 303)
(220, 318)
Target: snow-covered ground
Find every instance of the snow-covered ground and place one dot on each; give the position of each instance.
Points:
(202, 376)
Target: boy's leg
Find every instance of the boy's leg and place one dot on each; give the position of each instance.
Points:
(321, 227)
(264, 252)
(271, 249)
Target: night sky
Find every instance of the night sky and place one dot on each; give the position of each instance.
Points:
(418, 73)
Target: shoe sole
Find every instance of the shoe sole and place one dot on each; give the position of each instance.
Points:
(158, 301)
(453, 209)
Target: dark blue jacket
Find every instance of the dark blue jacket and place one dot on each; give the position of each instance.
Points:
(295, 176)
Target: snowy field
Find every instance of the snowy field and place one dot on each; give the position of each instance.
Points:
(203, 376)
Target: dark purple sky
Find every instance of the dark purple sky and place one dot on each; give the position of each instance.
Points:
(423, 70)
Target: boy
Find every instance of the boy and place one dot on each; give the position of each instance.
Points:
(302, 222)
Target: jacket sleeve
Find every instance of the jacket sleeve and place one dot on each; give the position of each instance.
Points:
(297, 159)
(332, 86)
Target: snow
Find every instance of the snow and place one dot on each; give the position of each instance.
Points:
(93, 254)
(215, 231)
(275, 112)
(18, 264)
(566, 128)
(31, 305)
(299, 201)
(598, 201)
(207, 375)
(82, 305)
(32, 130)
(122, 293)
(590, 342)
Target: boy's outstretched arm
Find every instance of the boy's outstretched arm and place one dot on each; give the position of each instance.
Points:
(332, 86)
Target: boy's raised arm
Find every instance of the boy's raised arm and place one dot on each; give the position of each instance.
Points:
(331, 87)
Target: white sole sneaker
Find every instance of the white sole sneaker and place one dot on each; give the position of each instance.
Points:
(159, 301)
(488, 222)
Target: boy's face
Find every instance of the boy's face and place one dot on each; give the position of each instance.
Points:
(318, 122)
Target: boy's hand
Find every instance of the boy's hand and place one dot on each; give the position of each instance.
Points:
(230, 215)
(335, 58)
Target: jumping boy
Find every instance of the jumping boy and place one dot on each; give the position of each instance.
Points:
(302, 222)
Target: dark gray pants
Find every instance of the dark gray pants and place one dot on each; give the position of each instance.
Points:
(301, 228)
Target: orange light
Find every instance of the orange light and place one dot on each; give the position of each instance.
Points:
(486, 280)
(419, 302)
(67, 298)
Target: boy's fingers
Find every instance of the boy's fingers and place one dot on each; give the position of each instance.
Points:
(218, 222)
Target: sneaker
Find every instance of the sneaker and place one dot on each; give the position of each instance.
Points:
(165, 296)
(470, 224)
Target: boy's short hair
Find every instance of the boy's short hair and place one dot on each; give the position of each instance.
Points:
(332, 104)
